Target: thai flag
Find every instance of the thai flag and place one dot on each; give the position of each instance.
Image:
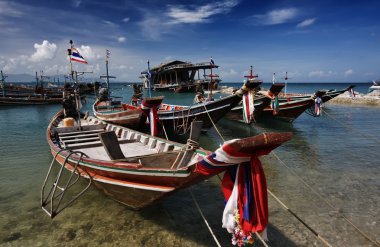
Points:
(76, 56)
(212, 62)
(148, 72)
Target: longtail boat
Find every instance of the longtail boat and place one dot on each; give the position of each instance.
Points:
(325, 95)
(131, 167)
(109, 110)
(176, 119)
(288, 111)
(119, 113)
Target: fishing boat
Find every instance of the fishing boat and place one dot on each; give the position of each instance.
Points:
(326, 95)
(253, 104)
(25, 99)
(109, 110)
(131, 167)
(175, 120)
(178, 76)
(288, 111)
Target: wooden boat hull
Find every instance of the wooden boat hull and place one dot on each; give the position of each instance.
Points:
(326, 95)
(260, 103)
(209, 113)
(125, 115)
(129, 183)
(29, 101)
(289, 111)
(138, 180)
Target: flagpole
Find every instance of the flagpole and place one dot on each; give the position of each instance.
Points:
(71, 64)
(3, 83)
(108, 80)
(150, 87)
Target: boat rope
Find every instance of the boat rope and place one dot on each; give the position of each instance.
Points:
(261, 239)
(299, 219)
(204, 218)
(325, 201)
(217, 130)
(350, 128)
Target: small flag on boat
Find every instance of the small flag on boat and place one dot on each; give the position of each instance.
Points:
(248, 107)
(108, 54)
(148, 71)
(212, 63)
(76, 56)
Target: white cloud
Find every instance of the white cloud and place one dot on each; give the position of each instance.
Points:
(277, 16)
(230, 72)
(348, 72)
(121, 39)
(87, 52)
(77, 3)
(199, 14)
(126, 19)
(44, 51)
(153, 27)
(109, 23)
(7, 9)
(306, 22)
(321, 73)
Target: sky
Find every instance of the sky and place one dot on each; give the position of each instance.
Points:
(314, 41)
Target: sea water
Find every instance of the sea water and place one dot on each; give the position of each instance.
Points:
(328, 175)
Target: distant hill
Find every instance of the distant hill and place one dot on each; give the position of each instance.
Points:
(20, 78)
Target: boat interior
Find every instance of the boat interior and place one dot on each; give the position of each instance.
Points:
(108, 142)
(114, 106)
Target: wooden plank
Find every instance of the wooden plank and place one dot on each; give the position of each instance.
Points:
(111, 145)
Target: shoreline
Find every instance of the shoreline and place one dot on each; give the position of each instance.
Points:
(360, 99)
(369, 99)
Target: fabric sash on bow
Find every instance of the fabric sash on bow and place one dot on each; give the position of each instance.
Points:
(244, 186)
(275, 106)
(153, 116)
(248, 106)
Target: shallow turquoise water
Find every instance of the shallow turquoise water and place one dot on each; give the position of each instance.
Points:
(336, 155)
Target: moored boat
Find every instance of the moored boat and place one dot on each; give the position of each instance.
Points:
(131, 167)
(25, 99)
(109, 110)
(326, 95)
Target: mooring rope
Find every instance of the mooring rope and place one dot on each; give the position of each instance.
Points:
(217, 130)
(325, 201)
(204, 218)
(350, 128)
(299, 219)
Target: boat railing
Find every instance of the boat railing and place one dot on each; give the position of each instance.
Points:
(51, 201)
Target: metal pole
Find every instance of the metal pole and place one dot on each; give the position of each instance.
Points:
(149, 83)
(108, 81)
(3, 83)
(210, 95)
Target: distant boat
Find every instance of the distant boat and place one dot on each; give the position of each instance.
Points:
(179, 76)
(131, 167)
(24, 98)
(375, 86)
(116, 112)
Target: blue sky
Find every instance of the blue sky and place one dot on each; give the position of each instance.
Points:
(315, 41)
